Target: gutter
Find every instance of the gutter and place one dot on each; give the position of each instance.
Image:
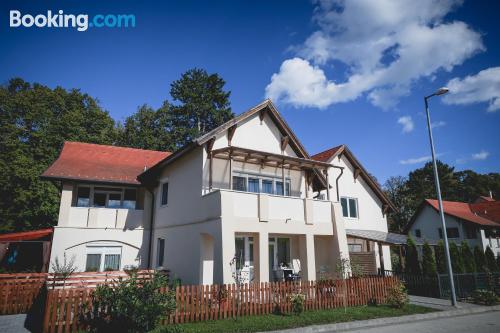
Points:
(337, 180)
(151, 225)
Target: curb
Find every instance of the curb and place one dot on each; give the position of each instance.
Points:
(371, 323)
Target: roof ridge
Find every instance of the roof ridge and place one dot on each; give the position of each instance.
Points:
(331, 148)
(115, 147)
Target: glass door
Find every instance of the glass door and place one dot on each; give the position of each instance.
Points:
(272, 265)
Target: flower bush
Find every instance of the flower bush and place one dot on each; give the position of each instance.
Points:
(397, 296)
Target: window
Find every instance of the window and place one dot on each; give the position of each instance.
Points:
(450, 232)
(161, 252)
(284, 251)
(418, 233)
(240, 252)
(253, 185)
(164, 194)
(349, 207)
(103, 258)
(267, 186)
(83, 197)
(355, 247)
(130, 198)
(470, 232)
(239, 183)
(261, 184)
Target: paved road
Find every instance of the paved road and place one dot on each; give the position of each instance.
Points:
(481, 322)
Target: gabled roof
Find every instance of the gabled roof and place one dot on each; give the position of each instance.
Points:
(42, 234)
(488, 209)
(328, 154)
(460, 210)
(266, 107)
(102, 163)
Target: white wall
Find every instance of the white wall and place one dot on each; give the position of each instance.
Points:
(74, 241)
(370, 213)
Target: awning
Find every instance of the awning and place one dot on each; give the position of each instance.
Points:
(387, 238)
(36, 235)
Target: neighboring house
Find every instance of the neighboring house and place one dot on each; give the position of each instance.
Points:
(478, 223)
(244, 199)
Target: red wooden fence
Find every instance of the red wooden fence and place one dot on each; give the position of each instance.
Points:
(201, 303)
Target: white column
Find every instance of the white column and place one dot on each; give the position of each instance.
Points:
(311, 258)
(65, 206)
(263, 256)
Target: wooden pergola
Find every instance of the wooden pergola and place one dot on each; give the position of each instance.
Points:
(245, 155)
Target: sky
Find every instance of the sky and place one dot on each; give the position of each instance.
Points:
(351, 73)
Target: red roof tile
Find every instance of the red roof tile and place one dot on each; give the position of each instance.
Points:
(487, 209)
(101, 163)
(461, 210)
(327, 154)
(26, 235)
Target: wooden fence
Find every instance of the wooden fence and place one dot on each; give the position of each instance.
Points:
(201, 303)
(19, 291)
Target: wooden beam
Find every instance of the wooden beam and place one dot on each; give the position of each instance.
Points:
(284, 142)
(357, 171)
(230, 133)
(262, 114)
(385, 208)
(209, 146)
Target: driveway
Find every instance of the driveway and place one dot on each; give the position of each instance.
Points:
(481, 322)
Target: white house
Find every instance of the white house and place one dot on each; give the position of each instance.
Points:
(477, 223)
(245, 198)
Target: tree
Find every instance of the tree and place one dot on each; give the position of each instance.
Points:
(457, 263)
(428, 261)
(397, 191)
(479, 259)
(204, 105)
(467, 257)
(440, 258)
(34, 123)
(412, 263)
(149, 129)
(490, 260)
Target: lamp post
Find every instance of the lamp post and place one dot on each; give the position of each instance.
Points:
(440, 91)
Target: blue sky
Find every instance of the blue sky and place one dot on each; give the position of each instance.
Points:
(353, 74)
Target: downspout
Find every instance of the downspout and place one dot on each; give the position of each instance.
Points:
(151, 224)
(337, 180)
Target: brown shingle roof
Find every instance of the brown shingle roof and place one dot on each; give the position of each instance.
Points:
(102, 163)
(327, 154)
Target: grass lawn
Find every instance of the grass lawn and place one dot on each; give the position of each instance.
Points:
(275, 322)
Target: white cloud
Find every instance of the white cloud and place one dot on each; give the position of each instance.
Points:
(482, 155)
(482, 87)
(386, 46)
(407, 124)
(438, 124)
(416, 160)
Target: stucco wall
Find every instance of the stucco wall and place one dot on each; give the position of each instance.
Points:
(74, 241)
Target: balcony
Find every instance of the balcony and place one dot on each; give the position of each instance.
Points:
(268, 208)
(91, 217)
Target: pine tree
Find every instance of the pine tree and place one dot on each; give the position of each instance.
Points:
(412, 263)
(440, 258)
(490, 260)
(480, 259)
(428, 261)
(467, 257)
(456, 259)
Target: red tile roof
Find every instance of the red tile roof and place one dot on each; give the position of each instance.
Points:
(101, 163)
(463, 211)
(487, 209)
(26, 235)
(327, 154)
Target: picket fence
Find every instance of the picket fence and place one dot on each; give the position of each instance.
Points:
(19, 291)
(213, 302)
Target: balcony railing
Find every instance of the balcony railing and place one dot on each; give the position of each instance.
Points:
(266, 207)
(92, 217)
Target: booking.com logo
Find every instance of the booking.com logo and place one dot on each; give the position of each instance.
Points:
(61, 20)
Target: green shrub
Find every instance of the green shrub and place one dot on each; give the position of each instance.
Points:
(397, 296)
(486, 297)
(297, 303)
(480, 259)
(456, 259)
(468, 257)
(412, 263)
(167, 329)
(440, 258)
(428, 261)
(128, 305)
(490, 260)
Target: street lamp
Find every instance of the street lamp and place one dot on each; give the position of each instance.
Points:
(440, 91)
